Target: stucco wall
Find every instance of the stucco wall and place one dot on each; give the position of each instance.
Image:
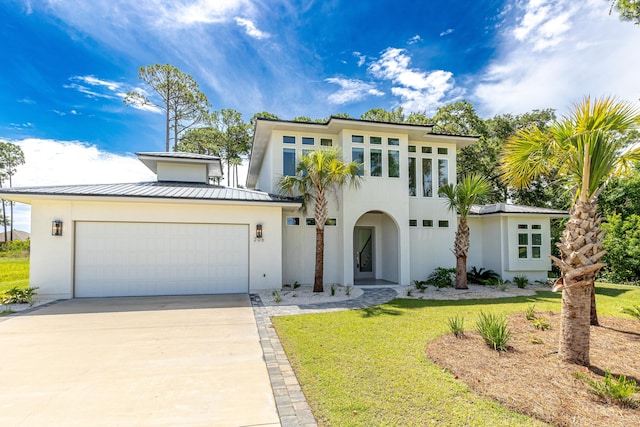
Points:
(52, 263)
(184, 172)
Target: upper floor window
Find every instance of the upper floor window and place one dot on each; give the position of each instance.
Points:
(394, 163)
(443, 173)
(412, 176)
(293, 220)
(393, 141)
(443, 150)
(376, 162)
(357, 138)
(357, 155)
(289, 162)
(412, 148)
(427, 178)
(427, 223)
(427, 150)
(307, 140)
(326, 142)
(443, 223)
(289, 139)
(377, 140)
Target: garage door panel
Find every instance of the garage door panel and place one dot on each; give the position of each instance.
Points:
(131, 259)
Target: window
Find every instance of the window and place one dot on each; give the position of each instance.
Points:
(375, 140)
(523, 226)
(412, 176)
(293, 220)
(289, 139)
(529, 244)
(289, 162)
(427, 150)
(357, 138)
(427, 178)
(413, 223)
(331, 222)
(427, 223)
(536, 227)
(376, 162)
(394, 163)
(536, 244)
(443, 150)
(412, 148)
(393, 141)
(443, 174)
(307, 140)
(523, 245)
(443, 223)
(357, 155)
(310, 221)
(326, 142)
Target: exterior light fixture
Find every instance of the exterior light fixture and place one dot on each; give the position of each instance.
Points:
(56, 228)
(259, 232)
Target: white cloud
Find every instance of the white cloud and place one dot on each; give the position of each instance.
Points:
(94, 81)
(351, 90)
(27, 101)
(203, 12)
(251, 29)
(361, 58)
(418, 90)
(551, 59)
(415, 39)
(97, 90)
(446, 32)
(52, 162)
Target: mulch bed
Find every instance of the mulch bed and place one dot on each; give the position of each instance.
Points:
(530, 379)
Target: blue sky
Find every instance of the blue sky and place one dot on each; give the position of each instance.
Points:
(67, 63)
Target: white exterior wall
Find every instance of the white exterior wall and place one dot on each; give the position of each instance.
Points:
(183, 172)
(52, 257)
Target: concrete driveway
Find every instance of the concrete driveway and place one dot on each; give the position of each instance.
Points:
(147, 361)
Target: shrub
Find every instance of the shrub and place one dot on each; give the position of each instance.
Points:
(276, 296)
(420, 285)
(16, 295)
(633, 311)
(521, 281)
(494, 330)
(622, 242)
(502, 285)
(442, 277)
(296, 285)
(456, 325)
(15, 249)
(482, 276)
(530, 313)
(540, 323)
(333, 290)
(614, 390)
(347, 290)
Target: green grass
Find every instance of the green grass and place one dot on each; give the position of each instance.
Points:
(14, 272)
(367, 367)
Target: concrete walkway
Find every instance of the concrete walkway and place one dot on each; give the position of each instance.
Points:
(292, 405)
(156, 361)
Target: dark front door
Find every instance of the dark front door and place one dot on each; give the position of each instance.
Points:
(364, 254)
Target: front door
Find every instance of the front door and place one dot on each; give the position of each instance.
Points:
(364, 255)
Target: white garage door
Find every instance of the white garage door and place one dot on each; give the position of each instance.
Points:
(136, 259)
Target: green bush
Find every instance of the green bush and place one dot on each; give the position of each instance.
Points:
(482, 276)
(456, 325)
(633, 311)
(494, 330)
(521, 281)
(15, 249)
(442, 277)
(16, 295)
(614, 390)
(530, 313)
(622, 242)
(420, 285)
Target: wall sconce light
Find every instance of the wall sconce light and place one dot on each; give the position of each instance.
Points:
(56, 228)
(259, 233)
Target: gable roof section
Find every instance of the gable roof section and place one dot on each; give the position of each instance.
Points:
(147, 190)
(151, 159)
(505, 208)
(264, 128)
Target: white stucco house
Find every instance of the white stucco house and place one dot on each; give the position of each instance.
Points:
(181, 234)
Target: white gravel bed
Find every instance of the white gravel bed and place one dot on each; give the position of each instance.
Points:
(305, 295)
(474, 292)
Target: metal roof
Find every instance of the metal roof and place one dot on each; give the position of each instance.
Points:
(496, 208)
(160, 190)
(178, 155)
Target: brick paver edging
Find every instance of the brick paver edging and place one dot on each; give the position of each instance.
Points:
(292, 406)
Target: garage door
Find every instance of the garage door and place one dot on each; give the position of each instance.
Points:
(137, 259)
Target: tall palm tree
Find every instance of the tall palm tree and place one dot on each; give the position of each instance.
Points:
(587, 147)
(319, 173)
(459, 199)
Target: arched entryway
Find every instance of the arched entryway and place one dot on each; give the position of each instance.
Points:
(376, 249)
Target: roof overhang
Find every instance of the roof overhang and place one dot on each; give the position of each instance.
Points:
(150, 160)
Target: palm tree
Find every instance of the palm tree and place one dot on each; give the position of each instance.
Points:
(588, 148)
(460, 198)
(319, 173)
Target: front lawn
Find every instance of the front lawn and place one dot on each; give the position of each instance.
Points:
(14, 272)
(368, 367)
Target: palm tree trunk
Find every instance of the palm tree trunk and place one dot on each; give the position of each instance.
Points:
(581, 250)
(594, 313)
(319, 276)
(461, 250)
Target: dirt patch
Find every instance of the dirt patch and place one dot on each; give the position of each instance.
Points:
(530, 379)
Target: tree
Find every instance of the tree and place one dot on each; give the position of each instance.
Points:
(11, 156)
(235, 137)
(629, 10)
(587, 147)
(182, 102)
(319, 173)
(459, 199)
(204, 140)
(382, 115)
